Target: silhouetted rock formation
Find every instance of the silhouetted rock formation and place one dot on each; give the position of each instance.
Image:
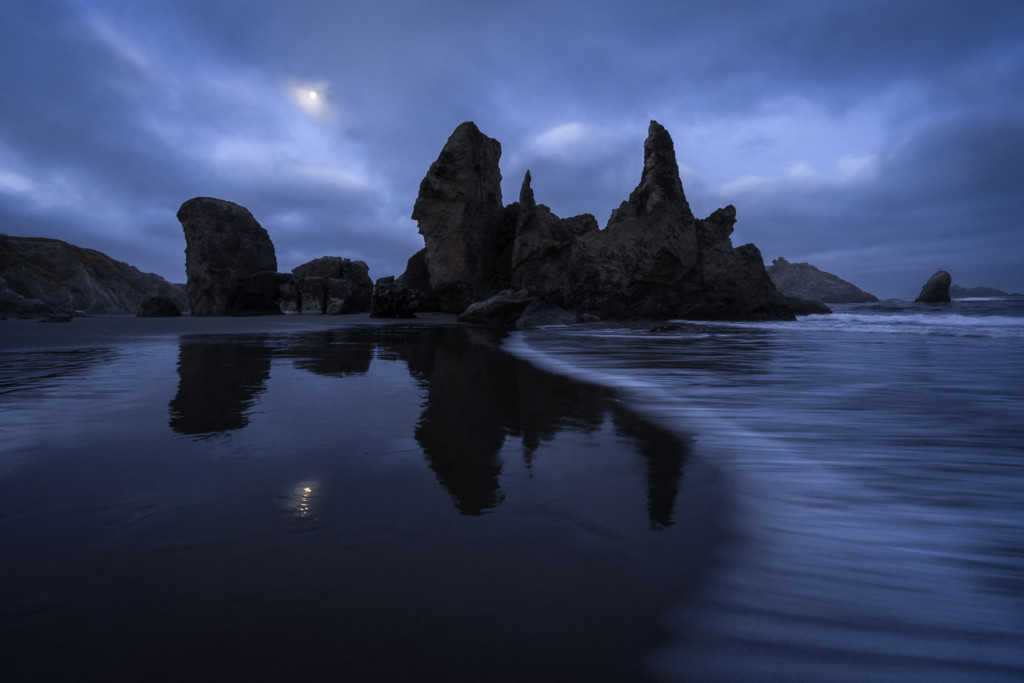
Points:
(40, 277)
(654, 260)
(329, 285)
(462, 220)
(804, 281)
(158, 307)
(392, 299)
(936, 290)
(227, 251)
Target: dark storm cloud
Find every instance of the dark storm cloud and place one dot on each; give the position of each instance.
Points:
(879, 139)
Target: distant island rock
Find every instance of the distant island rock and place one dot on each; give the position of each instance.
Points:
(807, 282)
(231, 267)
(958, 292)
(936, 290)
(42, 277)
(653, 260)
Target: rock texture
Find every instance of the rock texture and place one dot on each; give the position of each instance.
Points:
(226, 253)
(462, 220)
(42, 277)
(392, 299)
(804, 281)
(936, 290)
(328, 285)
(158, 307)
(654, 259)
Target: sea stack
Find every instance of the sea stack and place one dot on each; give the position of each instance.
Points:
(936, 290)
(462, 220)
(229, 260)
(654, 260)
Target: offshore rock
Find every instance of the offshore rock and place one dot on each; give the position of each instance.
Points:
(807, 306)
(654, 260)
(158, 307)
(416, 279)
(332, 285)
(936, 290)
(41, 276)
(804, 281)
(461, 217)
(958, 292)
(228, 257)
(392, 299)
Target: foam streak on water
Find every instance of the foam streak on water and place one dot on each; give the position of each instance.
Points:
(877, 462)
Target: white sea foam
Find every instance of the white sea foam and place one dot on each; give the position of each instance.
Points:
(874, 479)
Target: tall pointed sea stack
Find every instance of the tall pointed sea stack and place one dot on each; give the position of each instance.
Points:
(462, 220)
(654, 260)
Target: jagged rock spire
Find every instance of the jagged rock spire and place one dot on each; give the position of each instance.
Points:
(526, 193)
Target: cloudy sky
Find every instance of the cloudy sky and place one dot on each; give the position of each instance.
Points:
(877, 140)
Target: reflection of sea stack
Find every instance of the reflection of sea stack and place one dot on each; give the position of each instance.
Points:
(218, 383)
(936, 290)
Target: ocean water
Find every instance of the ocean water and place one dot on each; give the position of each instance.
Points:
(839, 498)
(296, 498)
(875, 466)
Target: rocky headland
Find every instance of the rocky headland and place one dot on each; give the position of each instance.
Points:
(807, 282)
(42, 277)
(654, 259)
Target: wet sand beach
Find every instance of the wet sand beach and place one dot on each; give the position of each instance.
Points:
(332, 498)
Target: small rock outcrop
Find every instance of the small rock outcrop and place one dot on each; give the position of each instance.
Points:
(328, 285)
(936, 290)
(229, 260)
(462, 220)
(804, 281)
(41, 276)
(158, 307)
(541, 313)
(807, 306)
(503, 309)
(654, 259)
(392, 299)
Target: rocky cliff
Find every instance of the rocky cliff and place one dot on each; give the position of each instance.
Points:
(654, 259)
(807, 282)
(41, 276)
